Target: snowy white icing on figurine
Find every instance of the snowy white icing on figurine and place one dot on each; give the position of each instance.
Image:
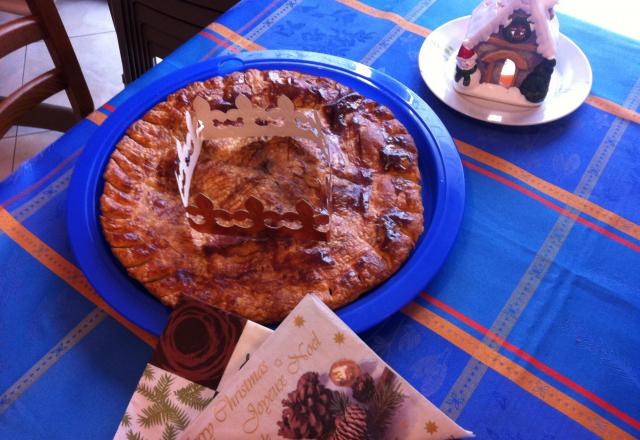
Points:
(509, 52)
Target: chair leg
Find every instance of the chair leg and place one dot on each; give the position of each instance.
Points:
(63, 55)
(118, 11)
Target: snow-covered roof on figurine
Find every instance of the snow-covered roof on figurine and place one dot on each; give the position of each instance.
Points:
(487, 18)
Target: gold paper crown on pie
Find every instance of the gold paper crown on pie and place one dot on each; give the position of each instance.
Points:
(246, 120)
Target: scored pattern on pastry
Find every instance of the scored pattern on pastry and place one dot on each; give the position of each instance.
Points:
(376, 205)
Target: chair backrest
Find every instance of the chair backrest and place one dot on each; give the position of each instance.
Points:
(44, 23)
(18, 7)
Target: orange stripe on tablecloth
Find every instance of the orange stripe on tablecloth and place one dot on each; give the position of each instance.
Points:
(533, 361)
(97, 117)
(599, 213)
(57, 264)
(246, 25)
(553, 206)
(386, 15)
(219, 41)
(517, 374)
(258, 15)
(109, 107)
(234, 37)
(595, 101)
(40, 181)
(613, 108)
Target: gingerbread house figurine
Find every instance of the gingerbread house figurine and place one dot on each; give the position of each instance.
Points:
(509, 52)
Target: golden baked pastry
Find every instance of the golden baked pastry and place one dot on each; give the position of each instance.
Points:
(376, 204)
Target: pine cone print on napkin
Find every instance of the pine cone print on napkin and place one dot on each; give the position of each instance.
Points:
(363, 388)
(352, 425)
(306, 413)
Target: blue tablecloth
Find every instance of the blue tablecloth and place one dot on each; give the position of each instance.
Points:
(531, 329)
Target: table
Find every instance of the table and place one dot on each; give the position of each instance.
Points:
(530, 330)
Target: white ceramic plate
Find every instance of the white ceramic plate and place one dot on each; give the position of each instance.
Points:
(569, 87)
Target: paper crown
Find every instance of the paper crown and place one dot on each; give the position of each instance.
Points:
(203, 217)
(283, 120)
(246, 120)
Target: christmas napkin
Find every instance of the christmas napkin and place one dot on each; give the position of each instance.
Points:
(198, 351)
(313, 378)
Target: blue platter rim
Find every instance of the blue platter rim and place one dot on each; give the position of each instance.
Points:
(440, 166)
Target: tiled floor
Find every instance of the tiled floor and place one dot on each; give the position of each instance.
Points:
(90, 28)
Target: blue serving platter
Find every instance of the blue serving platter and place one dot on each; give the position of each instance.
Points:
(439, 163)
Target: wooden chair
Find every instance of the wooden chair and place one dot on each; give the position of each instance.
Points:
(24, 106)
